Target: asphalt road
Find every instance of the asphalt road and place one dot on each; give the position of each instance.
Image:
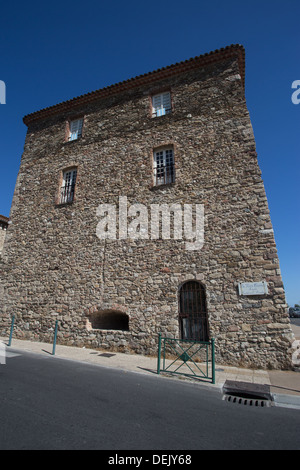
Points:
(50, 403)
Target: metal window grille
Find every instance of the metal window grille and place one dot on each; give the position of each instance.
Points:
(164, 168)
(75, 129)
(161, 104)
(68, 187)
(192, 312)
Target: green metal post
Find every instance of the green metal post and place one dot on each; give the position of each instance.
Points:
(159, 352)
(206, 355)
(213, 378)
(11, 330)
(55, 335)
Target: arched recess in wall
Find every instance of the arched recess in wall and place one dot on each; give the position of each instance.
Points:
(193, 320)
(109, 320)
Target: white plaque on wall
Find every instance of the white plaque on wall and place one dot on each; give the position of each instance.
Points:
(253, 288)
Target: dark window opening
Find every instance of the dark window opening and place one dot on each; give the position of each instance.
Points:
(192, 312)
(164, 167)
(110, 320)
(67, 190)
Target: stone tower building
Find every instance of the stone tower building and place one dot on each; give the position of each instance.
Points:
(96, 173)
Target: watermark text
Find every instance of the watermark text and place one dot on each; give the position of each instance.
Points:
(2, 92)
(2, 353)
(296, 94)
(159, 221)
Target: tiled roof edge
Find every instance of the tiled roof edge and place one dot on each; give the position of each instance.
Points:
(202, 60)
(4, 219)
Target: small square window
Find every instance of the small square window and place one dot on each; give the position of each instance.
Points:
(67, 189)
(164, 168)
(75, 129)
(161, 104)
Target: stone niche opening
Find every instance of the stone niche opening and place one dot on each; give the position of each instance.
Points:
(108, 320)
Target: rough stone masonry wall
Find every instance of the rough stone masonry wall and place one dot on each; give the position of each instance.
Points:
(54, 267)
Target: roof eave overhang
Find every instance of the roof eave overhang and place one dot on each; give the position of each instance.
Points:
(234, 51)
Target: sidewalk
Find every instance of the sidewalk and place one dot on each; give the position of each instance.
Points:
(284, 385)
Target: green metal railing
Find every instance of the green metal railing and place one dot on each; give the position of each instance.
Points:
(12, 329)
(194, 359)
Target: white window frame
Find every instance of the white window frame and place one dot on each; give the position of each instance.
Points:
(161, 104)
(75, 129)
(164, 166)
(67, 189)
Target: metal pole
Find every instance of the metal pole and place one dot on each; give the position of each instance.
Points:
(11, 330)
(159, 351)
(55, 335)
(213, 378)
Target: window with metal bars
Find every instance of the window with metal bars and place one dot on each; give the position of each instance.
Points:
(161, 104)
(193, 320)
(164, 168)
(75, 129)
(67, 189)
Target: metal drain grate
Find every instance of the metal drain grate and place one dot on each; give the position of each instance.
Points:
(247, 401)
(245, 393)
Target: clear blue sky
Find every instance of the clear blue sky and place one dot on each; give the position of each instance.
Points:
(53, 51)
